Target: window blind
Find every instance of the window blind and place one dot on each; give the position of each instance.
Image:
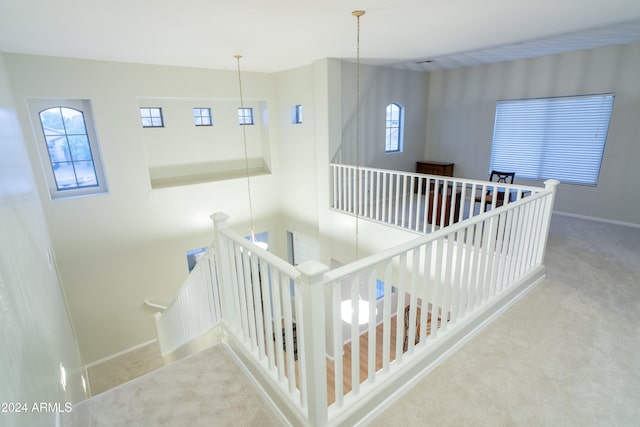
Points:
(561, 138)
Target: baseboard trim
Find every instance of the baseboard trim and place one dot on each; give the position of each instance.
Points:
(120, 353)
(597, 219)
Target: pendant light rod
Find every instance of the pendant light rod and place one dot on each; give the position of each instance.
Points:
(357, 14)
(246, 154)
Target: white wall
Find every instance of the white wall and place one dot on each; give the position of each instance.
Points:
(379, 87)
(297, 151)
(462, 107)
(37, 335)
(119, 249)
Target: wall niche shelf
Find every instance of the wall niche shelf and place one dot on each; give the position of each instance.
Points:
(198, 173)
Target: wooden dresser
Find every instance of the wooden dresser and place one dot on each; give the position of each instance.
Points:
(444, 169)
(435, 168)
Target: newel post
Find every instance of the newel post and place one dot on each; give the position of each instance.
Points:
(223, 269)
(550, 186)
(312, 311)
(162, 336)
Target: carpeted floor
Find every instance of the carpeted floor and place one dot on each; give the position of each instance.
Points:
(567, 354)
(203, 390)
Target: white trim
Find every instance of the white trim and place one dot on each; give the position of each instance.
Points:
(87, 392)
(281, 406)
(478, 324)
(120, 353)
(597, 219)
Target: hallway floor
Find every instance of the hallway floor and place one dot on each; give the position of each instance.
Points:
(566, 354)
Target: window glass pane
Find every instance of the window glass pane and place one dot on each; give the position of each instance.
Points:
(245, 116)
(394, 128)
(86, 175)
(65, 175)
(298, 115)
(379, 289)
(73, 121)
(58, 148)
(72, 156)
(51, 121)
(80, 149)
(151, 117)
(202, 116)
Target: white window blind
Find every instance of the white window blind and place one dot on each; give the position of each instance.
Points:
(561, 138)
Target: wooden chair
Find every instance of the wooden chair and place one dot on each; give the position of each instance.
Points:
(496, 176)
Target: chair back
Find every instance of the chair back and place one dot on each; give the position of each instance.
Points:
(506, 177)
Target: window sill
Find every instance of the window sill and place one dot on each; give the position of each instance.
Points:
(198, 173)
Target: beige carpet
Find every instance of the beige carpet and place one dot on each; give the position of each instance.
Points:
(568, 354)
(203, 390)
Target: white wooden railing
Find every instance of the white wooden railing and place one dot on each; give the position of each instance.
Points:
(415, 201)
(195, 309)
(285, 324)
(447, 284)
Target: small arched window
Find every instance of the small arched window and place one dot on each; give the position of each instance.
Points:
(394, 128)
(69, 145)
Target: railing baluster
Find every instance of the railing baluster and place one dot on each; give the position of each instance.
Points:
(338, 344)
(378, 201)
(396, 196)
(386, 317)
(366, 193)
(270, 287)
(355, 335)
(288, 332)
(371, 354)
(447, 276)
(277, 329)
(436, 303)
(425, 291)
(400, 286)
(244, 275)
(413, 300)
(257, 309)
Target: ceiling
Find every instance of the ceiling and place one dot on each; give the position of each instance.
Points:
(277, 35)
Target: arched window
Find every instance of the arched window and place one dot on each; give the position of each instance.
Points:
(71, 148)
(394, 128)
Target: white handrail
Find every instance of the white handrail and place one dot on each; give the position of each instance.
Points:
(422, 240)
(465, 181)
(154, 305)
(281, 321)
(417, 202)
(195, 309)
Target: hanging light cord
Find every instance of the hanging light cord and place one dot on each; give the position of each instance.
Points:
(357, 14)
(246, 153)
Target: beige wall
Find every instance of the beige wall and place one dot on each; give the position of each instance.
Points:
(37, 336)
(297, 155)
(379, 87)
(119, 249)
(462, 108)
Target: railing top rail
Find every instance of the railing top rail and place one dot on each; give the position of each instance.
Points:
(364, 263)
(465, 181)
(207, 255)
(273, 260)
